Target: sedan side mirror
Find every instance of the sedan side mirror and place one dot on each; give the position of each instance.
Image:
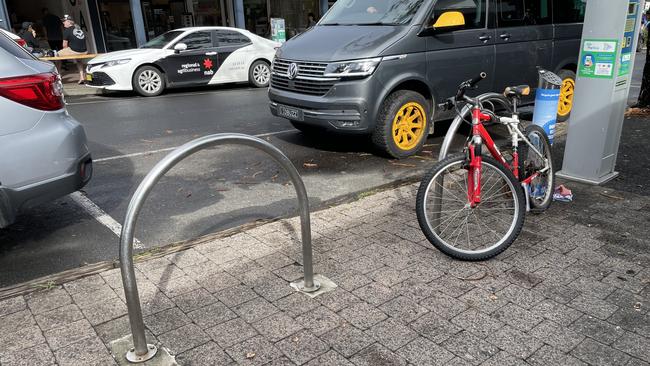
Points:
(180, 47)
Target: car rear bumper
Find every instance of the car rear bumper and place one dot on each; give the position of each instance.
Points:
(13, 200)
(48, 161)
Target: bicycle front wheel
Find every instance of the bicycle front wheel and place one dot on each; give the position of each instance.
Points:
(456, 228)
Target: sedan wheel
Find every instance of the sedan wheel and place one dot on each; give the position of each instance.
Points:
(260, 74)
(148, 81)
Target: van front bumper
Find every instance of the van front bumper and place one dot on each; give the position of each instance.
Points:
(343, 108)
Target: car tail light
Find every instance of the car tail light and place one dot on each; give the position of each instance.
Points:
(21, 42)
(40, 91)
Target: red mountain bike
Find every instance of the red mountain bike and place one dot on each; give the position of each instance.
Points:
(472, 206)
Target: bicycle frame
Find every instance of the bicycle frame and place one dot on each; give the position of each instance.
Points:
(480, 137)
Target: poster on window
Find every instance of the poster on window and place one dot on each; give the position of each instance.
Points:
(278, 32)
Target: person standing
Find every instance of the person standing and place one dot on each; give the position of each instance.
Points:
(52, 25)
(74, 43)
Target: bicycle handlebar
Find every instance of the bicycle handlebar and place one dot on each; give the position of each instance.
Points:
(476, 80)
(460, 94)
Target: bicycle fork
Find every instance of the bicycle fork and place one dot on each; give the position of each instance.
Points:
(475, 159)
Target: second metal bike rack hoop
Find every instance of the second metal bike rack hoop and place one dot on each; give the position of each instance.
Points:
(142, 352)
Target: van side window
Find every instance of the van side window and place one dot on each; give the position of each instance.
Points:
(473, 10)
(518, 13)
(568, 11)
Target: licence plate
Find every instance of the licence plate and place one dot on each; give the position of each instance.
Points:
(293, 114)
(89, 77)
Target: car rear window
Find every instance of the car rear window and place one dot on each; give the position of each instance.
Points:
(14, 48)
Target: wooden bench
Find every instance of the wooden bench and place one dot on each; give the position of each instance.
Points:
(69, 57)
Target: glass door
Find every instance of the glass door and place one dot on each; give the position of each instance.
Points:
(256, 17)
(117, 24)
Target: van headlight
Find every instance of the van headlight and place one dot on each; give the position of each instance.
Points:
(353, 68)
(116, 62)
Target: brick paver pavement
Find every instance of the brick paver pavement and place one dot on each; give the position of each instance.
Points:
(574, 289)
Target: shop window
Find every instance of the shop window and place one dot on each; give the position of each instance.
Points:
(197, 40)
(117, 24)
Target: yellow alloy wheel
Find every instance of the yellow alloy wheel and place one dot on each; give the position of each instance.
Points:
(566, 97)
(409, 126)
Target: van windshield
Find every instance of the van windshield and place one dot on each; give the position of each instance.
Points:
(371, 12)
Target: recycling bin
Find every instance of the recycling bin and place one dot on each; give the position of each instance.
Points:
(547, 98)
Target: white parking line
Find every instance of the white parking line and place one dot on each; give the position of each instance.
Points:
(101, 216)
(132, 155)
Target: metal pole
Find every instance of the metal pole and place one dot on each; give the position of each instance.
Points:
(138, 22)
(141, 351)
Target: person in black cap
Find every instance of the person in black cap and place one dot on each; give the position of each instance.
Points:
(28, 34)
(74, 43)
(52, 25)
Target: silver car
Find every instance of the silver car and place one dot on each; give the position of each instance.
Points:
(43, 150)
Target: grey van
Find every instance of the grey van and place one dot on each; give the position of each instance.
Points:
(379, 68)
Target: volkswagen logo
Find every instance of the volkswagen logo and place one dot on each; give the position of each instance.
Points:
(292, 71)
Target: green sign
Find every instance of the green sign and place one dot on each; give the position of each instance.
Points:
(598, 58)
(628, 38)
(278, 32)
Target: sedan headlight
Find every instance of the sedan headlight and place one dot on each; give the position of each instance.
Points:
(116, 62)
(352, 68)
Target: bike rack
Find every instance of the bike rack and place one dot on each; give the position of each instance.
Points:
(142, 351)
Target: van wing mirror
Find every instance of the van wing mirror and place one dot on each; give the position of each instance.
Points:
(449, 20)
(180, 47)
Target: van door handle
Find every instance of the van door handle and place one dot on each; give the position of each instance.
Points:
(210, 53)
(506, 36)
(485, 38)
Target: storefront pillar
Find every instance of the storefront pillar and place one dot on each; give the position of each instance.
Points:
(4, 16)
(138, 22)
(324, 6)
(239, 14)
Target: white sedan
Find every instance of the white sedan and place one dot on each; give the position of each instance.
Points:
(184, 57)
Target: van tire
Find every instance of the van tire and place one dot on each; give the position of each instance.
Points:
(564, 75)
(399, 102)
(151, 72)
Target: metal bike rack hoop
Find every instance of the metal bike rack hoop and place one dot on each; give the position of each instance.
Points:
(141, 351)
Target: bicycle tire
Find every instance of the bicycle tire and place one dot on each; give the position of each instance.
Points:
(503, 243)
(538, 206)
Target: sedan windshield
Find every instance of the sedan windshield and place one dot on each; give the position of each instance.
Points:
(162, 40)
(371, 12)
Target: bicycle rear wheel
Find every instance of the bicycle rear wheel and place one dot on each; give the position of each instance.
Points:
(453, 226)
(540, 190)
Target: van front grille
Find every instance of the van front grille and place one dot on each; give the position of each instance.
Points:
(308, 80)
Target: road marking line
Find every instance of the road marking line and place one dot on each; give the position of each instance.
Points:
(132, 155)
(101, 216)
(99, 101)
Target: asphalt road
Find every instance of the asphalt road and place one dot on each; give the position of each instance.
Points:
(210, 191)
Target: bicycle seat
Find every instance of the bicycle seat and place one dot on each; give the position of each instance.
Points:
(517, 91)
